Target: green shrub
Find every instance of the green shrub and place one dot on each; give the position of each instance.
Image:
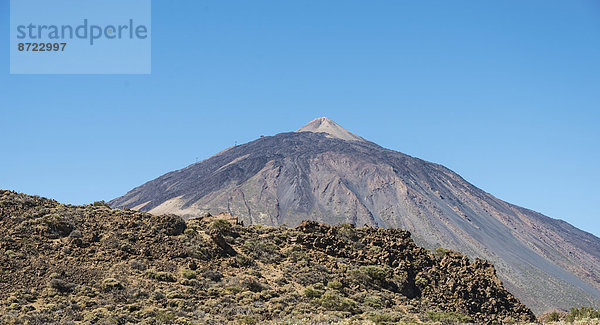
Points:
(191, 282)
(262, 250)
(374, 250)
(374, 272)
(204, 252)
(298, 256)
(335, 285)
(347, 232)
(161, 276)
(100, 204)
(111, 283)
(331, 301)
(242, 260)
(235, 289)
(247, 320)
(311, 292)
(220, 225)
(165, 316)
(382, 318)
(373, 301)
(553, 317)
(96, 315)
(440, 252)
(190, 232)
(52, 218)
(188, 274)
(370, 274)
(448, 317)
(582, 313)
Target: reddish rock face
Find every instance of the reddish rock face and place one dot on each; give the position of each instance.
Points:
(327, 174)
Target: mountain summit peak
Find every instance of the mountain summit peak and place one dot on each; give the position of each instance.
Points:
(330, 128)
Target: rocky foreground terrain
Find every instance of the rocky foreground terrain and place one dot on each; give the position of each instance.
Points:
(93, 264)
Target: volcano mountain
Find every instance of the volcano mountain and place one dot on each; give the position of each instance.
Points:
(325, 173)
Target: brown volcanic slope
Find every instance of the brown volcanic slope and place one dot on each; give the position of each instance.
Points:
(63, 264)
(327, 174)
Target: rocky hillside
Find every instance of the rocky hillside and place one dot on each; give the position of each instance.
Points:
(325, 173)
(94, 264)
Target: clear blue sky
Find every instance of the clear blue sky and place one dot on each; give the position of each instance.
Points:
(506, 93)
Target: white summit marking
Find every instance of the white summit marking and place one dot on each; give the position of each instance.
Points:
(329, 127)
